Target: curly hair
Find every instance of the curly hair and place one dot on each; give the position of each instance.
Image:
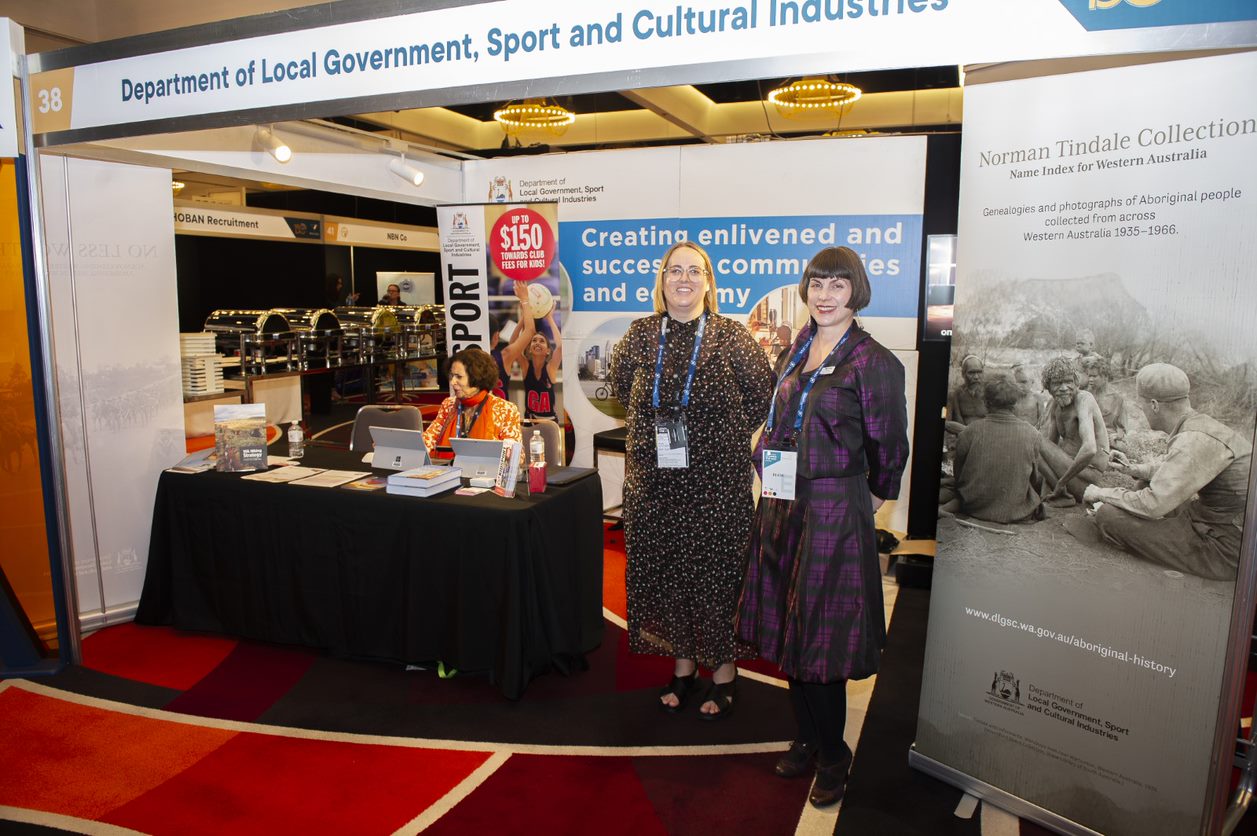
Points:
(1094, 363)
(482, 372)
(1057, 369)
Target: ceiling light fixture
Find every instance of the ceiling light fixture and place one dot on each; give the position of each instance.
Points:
(812, 97)
(177, 186)
(405, 170)
(534, 115)
(273, 145)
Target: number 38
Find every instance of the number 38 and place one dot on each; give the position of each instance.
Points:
(50, 100)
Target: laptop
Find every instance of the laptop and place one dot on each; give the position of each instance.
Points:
(561, 475)
(398, 449)
(478, 457)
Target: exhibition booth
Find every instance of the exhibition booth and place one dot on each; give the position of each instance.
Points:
(1105, 189)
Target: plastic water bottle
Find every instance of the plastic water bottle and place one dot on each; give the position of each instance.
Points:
(296, 441)
(536, 463)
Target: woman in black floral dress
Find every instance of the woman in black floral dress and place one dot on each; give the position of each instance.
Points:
(695, 386)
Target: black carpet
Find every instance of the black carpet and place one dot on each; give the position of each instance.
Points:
(884, 795)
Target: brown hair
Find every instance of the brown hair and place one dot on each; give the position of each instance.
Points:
(709, 298)
(839, 263)
(1001, 394)
(482, 372)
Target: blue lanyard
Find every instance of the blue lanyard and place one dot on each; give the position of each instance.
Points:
(689, 377)
(807, 387)
(475, 416)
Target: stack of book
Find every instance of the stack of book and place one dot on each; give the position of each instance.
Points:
(424, 481)
(202, 368)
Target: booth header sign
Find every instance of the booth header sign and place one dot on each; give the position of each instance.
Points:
(512, 40)
(201, 219)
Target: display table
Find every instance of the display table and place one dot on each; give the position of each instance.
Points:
(481, 583)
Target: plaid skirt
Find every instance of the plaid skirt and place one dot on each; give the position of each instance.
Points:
(811, 600)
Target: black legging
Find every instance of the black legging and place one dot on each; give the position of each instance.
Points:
(820, 709)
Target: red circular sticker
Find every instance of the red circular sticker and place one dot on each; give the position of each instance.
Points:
(522, 244)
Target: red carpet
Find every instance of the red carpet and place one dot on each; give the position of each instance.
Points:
(158, 775)
(238, 737)
(159, 657)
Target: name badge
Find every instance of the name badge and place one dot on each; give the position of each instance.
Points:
(671, 442)
(828, 370)
(778, 478)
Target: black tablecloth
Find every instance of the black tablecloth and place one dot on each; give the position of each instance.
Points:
(482, 583)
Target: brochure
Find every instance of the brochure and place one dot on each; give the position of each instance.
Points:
(508, 468)
(330, 478)
(371, 483)
(198, 462)
(240, 437)
(283, 474)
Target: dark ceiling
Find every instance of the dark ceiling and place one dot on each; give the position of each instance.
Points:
(880, 81)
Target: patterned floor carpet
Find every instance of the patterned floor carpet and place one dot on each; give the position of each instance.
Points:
(161, 731)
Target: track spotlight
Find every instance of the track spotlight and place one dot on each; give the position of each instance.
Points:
(405, 170)
(274, 146)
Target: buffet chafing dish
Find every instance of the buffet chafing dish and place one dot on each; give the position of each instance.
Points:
(309, 319)
(370, 334)
(260, 338)
(318, 341)
(422, 329)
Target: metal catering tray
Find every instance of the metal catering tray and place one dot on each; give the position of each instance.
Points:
(229, 326)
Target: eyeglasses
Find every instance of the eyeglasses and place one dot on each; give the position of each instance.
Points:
(677, 272)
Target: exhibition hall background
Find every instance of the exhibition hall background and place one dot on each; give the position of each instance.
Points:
(117, 371)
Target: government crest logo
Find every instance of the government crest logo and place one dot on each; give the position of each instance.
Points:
(1006, 687)
(460, 220)
(500, 190)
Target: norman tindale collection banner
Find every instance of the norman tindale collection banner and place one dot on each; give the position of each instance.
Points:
(1105, 272)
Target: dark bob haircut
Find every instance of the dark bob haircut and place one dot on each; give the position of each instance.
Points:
(1001, 394)
(482, 372)
(839, 263)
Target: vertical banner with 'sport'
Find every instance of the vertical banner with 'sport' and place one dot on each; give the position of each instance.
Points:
(501, 276)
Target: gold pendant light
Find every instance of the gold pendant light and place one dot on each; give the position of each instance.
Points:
(812, 97)
(534, 115)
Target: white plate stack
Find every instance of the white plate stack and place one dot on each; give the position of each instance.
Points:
(202, 368)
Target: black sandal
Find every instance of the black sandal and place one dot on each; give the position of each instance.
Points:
(721, 694)
(681, 687)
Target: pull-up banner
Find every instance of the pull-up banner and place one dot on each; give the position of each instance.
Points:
(1078, 637)
(500, 264)
(508, 40)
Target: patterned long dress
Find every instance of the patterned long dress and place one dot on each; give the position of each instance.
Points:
(686, 530)
(812, 600)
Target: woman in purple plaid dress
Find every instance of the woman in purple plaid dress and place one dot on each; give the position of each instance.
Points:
(837, 440)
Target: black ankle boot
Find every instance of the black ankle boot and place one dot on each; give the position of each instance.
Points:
(797, 762)
(831, 783)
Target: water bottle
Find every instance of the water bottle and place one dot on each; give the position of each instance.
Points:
(296, 441)
(536, 463)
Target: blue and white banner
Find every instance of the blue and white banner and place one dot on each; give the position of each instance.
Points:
(761, 210)
(510, 40)
(614, 262)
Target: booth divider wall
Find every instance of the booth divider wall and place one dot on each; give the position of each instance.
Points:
(111, 263)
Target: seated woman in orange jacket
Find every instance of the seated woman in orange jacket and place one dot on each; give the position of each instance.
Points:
(472, 410)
